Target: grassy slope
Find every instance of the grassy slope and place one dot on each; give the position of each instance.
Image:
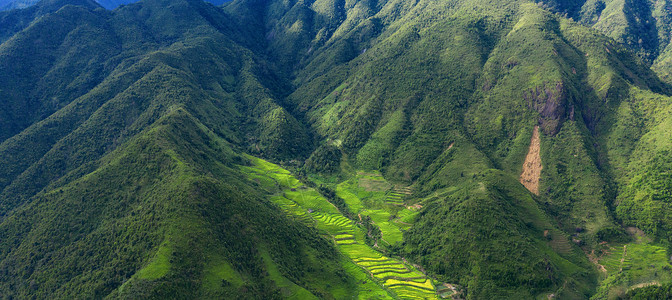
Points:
(631, 266)
(436, 116)
(439, 120)
(384, 277)
(179, 63)
(164, 214)
(433, 94)
(123, 181)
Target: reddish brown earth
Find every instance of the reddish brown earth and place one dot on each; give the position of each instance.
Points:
(532, 165)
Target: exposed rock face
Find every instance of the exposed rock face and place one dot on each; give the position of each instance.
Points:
(549, 101)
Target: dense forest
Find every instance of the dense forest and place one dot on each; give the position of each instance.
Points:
(389, 149)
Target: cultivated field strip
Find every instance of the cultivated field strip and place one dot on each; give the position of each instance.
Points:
(306, 205)
(559, 243)
(294, 210)
(445, 291)
(393, 273)
(397, 194)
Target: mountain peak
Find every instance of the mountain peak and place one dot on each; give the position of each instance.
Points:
(107, 4)
(333, 149)
(45, 6)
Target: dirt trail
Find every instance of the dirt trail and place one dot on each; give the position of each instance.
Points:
(532, 165)
(641, 285)
(596, 261)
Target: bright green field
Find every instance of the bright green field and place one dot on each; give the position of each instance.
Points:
(370, 194)
(385, 277)
(633, 265)
(392, 232)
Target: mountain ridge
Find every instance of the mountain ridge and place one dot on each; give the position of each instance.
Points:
(127, 130)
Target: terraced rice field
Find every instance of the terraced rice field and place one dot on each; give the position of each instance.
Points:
(309, 207)
(560, 243)
(293, 210)
(393, 273)
(445, 291)
(345, 238)
(612, 262)
(635, 265)
(404, 292)
(334, 220)
(405, 219)
(397, 194)
(378, 204)
(394, 199)
(391, 231)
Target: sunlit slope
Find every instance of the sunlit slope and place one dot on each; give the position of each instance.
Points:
(417, 115)
(195, 65)
(119, 184)
(165, 214)
(443, 94)
(393, 277)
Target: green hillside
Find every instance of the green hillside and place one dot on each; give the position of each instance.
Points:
(383, 149)
(185, 222)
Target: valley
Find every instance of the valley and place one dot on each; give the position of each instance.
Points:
(323, 149)
(393, 277)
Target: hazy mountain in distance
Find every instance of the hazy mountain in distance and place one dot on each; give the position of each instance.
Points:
(108, 4)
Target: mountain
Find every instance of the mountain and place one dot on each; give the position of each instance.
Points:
(11, 4)
(467, 149)
(37, 8)
(449, 101)
(99, 95)
(107, 4)
(644, 26)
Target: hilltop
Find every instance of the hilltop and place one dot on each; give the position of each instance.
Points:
(334, 149)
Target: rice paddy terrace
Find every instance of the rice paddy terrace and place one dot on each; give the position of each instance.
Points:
(632, 265)
(368, 194)
(394, 277)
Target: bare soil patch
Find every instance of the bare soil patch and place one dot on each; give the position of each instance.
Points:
(532, 165)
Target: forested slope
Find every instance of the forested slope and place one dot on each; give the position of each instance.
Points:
(122, 136)
(131, 177)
